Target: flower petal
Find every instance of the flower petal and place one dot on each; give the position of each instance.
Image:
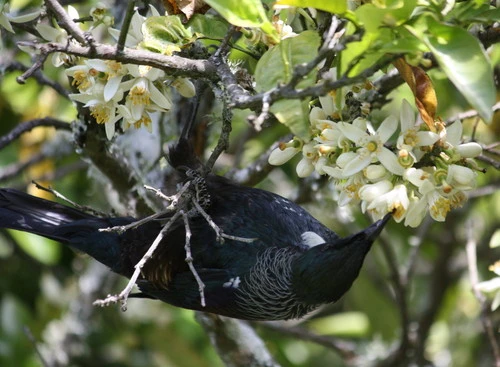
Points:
(454, 133)
(390, 161)
(159, 98)
(357, 164)
(304, 168)
(110, 129)
(387, 128)
(279, 157)
(111, 87)
(416, 212)
(351, 132)
(426, 138)
(407, 116)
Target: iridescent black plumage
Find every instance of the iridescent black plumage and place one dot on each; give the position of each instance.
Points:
(294, 265)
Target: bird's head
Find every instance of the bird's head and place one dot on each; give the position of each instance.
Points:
(325, 272)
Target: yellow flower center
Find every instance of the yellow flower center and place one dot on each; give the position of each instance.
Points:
(101, 113)
(372, 146)
(81, 80)
(411, 138)
(115, 68)
(139, 94)
(144, 120)
(440, 208)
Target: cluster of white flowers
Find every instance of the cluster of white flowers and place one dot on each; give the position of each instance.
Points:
(416, 173)
(111, 90)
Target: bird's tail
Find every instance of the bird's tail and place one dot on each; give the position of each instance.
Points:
(24, 212)
(61, 223)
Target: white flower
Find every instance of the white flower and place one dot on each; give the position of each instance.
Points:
(461, 178)
(469, 150)
(410, 136)
(309, 156)
(134, 34)
(285, 152)
(452, 137)
(6, 18)
(185, 87)
(103, 111)
(370, 192)
(395, 201)
(58, 35)
(112, 74)
(142, 91)
(371, 147)
(416, 212)
(349, 189)
(129, 120)
(84, 77)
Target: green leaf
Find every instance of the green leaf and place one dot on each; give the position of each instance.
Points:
(335, 7)
(208, 25)
(165, 34)
(392, 14)
(352, 324)
(463, 60)
(244, 13)
(276, 65)
(294, 114)
(44, 250)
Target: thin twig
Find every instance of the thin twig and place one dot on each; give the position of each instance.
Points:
(124, 294)
(258, 121)
(38, 76)
(33, 342)
(223, 142)
(486, 321)
(15, 169)
(57, 194)
(344, 348)
(30, 125)
(218, 231)
(400, 292)
(189, 259)
(64, 20)
(469, 114)
(125, 26)
(135, 224)
(33, 69)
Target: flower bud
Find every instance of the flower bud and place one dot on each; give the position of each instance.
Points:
(374, 172)
(469, 150)
(304, 168)
(185, 87)
(462, 176)
(280, 156)
(371, 191)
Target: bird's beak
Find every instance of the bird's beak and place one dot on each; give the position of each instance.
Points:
(374, 230)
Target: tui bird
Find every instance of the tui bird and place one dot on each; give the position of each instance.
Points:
(293, 265)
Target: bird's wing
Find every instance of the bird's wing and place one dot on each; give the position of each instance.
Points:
(184, 291)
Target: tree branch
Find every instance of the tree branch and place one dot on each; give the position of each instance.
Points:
(236, 342)
(486, 320)
(30, 125)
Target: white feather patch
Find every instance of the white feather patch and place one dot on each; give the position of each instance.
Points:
(312, 239)
(232, 283)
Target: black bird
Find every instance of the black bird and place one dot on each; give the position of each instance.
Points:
(294, 264)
